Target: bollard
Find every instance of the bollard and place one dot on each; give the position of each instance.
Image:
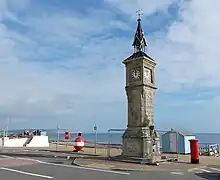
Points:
(194, 151)
(78, 143)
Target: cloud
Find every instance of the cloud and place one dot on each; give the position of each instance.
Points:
(57, 70)
(8, 7)
(186, 50)
(187, 53)
(129, 7)
(191, 47)
(61, 65)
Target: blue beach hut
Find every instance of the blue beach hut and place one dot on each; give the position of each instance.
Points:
(176, 142)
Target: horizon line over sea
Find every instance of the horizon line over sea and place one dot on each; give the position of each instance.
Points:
(115, 137)
(102, 132)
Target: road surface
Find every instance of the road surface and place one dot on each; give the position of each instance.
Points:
(25, 168)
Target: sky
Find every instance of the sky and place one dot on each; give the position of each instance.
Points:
(61, 62)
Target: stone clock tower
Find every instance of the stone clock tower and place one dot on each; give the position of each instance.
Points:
(140, 139)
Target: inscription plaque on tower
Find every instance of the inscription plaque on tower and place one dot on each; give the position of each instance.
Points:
(140, 139)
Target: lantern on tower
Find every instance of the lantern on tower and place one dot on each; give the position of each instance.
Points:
(78, 144)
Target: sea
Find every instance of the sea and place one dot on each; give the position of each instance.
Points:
(116, 137)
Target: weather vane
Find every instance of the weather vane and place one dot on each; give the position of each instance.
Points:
(139, 13)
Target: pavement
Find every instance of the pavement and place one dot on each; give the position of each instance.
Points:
(37, 165)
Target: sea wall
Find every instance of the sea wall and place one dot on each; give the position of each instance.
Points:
(39, 141)
(36, 141)
(18, 142)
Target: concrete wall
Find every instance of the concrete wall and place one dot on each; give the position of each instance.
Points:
(1, 142)
(14, 142)
(39, 141)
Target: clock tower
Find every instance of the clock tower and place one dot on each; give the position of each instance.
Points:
(140, 139)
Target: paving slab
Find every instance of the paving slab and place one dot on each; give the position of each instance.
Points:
(13, 162)
(113, 165)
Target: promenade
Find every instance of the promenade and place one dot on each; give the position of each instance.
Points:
(47, 163)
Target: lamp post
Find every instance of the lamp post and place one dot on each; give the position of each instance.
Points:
(58, 137)
(95, 129)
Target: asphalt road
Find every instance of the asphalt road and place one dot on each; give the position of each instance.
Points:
(40, 168)
(46, 171)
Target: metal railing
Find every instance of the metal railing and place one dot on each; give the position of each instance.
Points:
(209, 149)
(115, 145)
(204, 148)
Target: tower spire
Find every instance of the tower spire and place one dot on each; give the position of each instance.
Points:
(139, 42)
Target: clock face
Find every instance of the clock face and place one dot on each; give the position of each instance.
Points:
(135, 74)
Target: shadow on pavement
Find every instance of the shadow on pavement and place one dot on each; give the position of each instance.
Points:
(56, 162)
(69, 152)
(209, 176)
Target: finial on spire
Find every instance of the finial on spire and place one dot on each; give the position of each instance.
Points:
(139, 14)
(139, 42)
